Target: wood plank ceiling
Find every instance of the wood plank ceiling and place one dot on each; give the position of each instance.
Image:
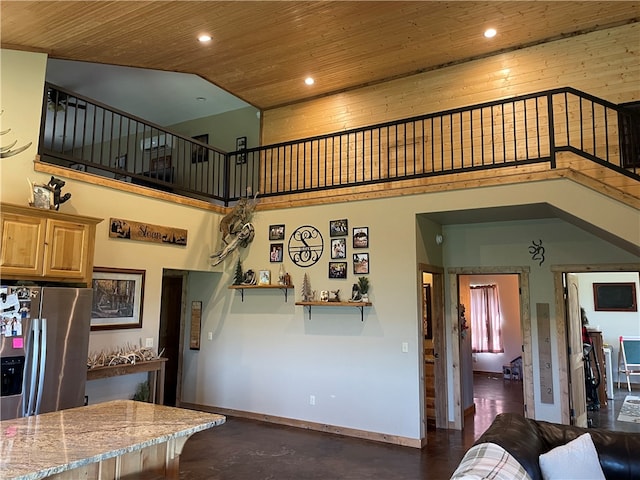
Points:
(262, 51)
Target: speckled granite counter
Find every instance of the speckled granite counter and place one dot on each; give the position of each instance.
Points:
(106, 440)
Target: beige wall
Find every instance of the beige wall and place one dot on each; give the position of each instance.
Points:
(603, 63)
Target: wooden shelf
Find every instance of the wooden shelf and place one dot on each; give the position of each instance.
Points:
(242, 288)
(359, 305)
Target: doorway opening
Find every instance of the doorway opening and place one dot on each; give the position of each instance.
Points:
(591, 374)
(490, 346)
(171, 332)
(434, 376)
(516, 281)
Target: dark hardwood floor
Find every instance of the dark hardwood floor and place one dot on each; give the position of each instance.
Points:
(244, 449)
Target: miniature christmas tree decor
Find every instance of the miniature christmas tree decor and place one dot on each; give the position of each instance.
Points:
(238, 277)
(306, 289)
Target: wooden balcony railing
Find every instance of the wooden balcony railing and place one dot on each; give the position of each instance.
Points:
(524, 130)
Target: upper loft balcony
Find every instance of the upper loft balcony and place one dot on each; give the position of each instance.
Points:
(510, 140)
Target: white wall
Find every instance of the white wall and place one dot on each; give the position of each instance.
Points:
(266, 356)
(611, 324)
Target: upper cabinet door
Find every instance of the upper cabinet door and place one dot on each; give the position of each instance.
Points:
(22, 244)
(67, 247)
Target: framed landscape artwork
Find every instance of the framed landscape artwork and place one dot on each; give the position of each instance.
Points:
(118, 295)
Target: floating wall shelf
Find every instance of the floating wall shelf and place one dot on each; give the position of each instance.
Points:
(242, 288)
(359, 305)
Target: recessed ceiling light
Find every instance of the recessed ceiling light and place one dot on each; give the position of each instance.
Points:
(309, 81)
(201, 99)
(204, 38)
(490, 32)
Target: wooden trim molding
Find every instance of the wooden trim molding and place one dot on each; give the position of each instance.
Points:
(318, 427)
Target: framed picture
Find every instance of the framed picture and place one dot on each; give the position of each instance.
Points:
(337, 269)
(360, 263)
(338, 248)
(338, 228)
(615, 297)
(42, 197)
(117, 298)
(361, 237)
(276, 232)
(241, 144)
(276, 252)
(265, 277)
(199, 154)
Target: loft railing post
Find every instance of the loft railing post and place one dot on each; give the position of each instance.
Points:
(552, 136)
(226, 187)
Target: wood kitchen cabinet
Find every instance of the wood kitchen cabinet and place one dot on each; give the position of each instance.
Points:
(39, 244)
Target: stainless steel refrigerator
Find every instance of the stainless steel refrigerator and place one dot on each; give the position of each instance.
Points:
(44, 342)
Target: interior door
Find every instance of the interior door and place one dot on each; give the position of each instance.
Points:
(577, 393)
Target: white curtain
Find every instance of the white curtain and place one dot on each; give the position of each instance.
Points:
(486, 321)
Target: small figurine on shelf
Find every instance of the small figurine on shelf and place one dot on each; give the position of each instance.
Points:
(238, 276)
(335, 296)
(281, 274)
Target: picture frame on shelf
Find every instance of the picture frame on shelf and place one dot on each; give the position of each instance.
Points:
(360, 263)
(42, 197)
(338, 248)
(337, 269)
(199, 154)
(276, 252)
(361, 237)
(338, 228)
(118, 295)
(265, 277)
(276, 232)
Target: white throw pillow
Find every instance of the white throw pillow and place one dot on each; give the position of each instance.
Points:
(576, 460)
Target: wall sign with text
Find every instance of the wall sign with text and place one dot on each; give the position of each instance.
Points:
(146, 232)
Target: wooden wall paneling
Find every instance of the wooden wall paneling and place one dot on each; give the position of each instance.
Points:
(568, 62)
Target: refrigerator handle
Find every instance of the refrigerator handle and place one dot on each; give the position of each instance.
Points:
(34, 345)
(43, 363)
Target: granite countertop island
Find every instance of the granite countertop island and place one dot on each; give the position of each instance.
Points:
(105, 440)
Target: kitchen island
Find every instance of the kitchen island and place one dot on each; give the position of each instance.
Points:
(105, 441)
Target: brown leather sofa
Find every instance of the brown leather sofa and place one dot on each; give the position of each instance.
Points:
(526, 440)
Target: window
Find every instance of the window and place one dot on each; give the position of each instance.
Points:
(486, 321)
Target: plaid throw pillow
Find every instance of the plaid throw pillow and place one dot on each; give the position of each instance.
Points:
(489, 461)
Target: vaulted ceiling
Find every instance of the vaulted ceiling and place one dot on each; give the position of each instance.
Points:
(262, 51)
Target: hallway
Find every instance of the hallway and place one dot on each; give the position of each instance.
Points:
(249, 450)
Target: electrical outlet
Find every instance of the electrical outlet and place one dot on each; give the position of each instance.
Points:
(210, 336)
(405, 347)
(148, 343)
(312, 399)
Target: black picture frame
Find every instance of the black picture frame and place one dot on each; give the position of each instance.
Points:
(276, 232)
(199, 154)
(337, 269)
(615, 297)
(360, 263)
(339, 228)
(241, 144)
(338, 248)
(360, 237)
(276, 252)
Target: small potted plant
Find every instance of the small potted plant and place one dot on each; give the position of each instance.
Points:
(363, 285)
